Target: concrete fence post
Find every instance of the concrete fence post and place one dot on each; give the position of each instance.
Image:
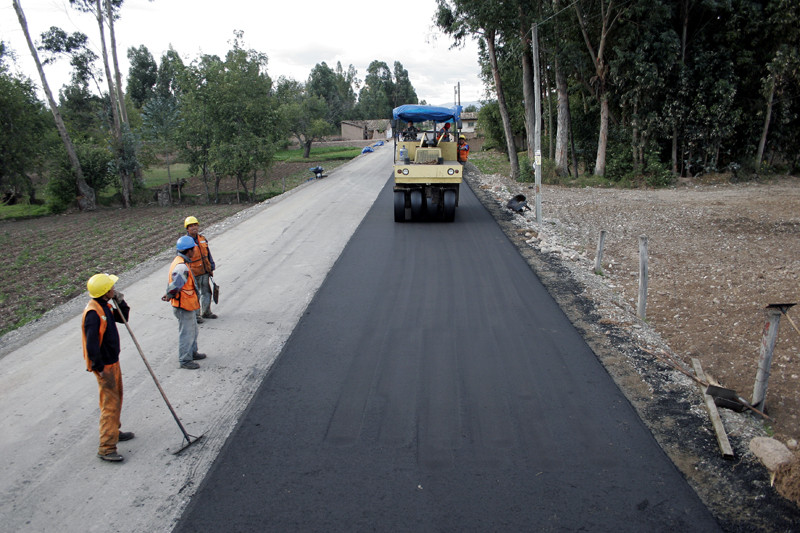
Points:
(768, 338)
(641, 306)
(598, 257)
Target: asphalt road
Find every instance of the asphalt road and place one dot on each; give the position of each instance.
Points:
(432, 384)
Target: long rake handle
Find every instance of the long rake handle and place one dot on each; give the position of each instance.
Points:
(152, 374)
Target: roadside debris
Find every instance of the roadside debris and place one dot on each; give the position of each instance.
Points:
(518, 203)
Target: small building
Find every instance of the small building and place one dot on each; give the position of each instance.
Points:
(469, 121)
(354, 130)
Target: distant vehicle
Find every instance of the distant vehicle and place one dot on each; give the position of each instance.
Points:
(427, 174)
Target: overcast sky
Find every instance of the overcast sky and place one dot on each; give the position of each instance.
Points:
(294, 35)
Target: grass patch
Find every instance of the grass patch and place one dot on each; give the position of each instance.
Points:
(23, 211)
(157, 176)
(323, 153)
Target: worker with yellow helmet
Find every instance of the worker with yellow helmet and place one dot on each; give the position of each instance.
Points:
(101, 346)
(463, 149)
(202, 265)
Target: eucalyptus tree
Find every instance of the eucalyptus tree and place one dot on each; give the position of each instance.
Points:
(642, 62)
(170, 70)
(780, 75)
(105, 12)
(596, 26)
(86, 194)
(403, 92)
(376, 96)
(82, 110)
(142, 75)
(462, 19)
(337, 88)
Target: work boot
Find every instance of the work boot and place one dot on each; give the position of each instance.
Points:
(125, 435)
(113, 457)
(200, 319)
(198, 355)
(209, 314)
(191, 365)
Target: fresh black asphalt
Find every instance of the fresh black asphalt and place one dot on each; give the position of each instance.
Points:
(434, 385)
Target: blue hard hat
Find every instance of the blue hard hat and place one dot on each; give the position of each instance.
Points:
(184, 243)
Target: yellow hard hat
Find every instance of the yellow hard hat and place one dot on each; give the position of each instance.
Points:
(99, 284)
(188, 221)
(462, 137)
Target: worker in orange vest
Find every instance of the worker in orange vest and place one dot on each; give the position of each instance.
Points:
(182, 293)
(101, 354)
(202, 266)
(463, 149)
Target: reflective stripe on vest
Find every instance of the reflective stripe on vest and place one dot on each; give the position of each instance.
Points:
(187, 297)
(93, 305)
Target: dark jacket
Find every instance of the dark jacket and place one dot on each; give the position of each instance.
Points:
(105, 352)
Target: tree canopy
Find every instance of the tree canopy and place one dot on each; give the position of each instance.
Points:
(647, 86)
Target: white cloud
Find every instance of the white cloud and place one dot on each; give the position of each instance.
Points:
(295, 37)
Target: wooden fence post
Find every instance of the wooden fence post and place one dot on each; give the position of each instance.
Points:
(641, 306)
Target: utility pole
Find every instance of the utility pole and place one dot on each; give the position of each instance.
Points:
(537, 145)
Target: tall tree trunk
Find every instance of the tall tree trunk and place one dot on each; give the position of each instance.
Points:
(602, 138)
(676, 170)
(123, 112)
(126, 182)
(551, 151)
(501, 102)
(601, 73)
(528, 89)
(86, 198)
(768, 115)
(112, 93)
(562, 132)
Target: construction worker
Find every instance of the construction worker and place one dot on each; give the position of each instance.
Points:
(463, 149)
(444, 134)
(101, 354)
(202, 266)
(182, 293)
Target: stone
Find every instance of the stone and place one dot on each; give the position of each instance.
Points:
(772, 453)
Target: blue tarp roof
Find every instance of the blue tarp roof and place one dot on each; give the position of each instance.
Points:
(421, 113)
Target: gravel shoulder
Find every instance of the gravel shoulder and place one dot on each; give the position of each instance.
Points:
(718, 255)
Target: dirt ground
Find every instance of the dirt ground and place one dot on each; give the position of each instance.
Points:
(719, 253)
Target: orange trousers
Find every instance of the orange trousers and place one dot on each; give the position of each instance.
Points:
(110, 386)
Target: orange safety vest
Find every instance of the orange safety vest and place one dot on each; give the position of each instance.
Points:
(463, 152)
(200, 264)
(187, 297)
(93, 305)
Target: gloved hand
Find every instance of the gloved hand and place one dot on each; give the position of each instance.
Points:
(118, 296)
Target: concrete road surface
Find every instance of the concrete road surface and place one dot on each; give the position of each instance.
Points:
(434, 385)
(269, 267)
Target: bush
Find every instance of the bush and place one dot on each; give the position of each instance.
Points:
(95, 164)
(653, 173)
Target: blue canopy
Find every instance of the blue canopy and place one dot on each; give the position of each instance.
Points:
(421, 113)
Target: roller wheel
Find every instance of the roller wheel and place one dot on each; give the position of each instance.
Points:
(449, 205)
(416, 204)
(399, 206)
